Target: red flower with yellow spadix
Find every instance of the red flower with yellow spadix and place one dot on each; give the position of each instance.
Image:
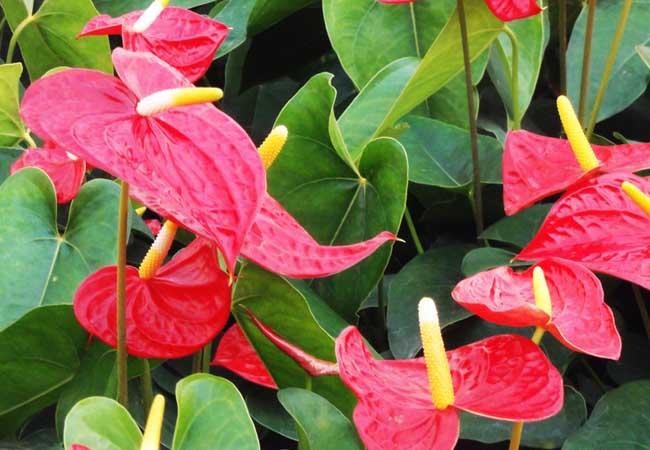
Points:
(64, 169)
(181, 156)
(414, 403)
(277, 242)
(506, 10)
(182, 38)
(172, 310)
(558, 296)
(535, 166)
(597, 224)
(152, 429)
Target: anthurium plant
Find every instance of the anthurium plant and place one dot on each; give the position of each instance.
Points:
(324, 224)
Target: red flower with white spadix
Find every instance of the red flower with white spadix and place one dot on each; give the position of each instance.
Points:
(182, 38)
(172, 310)
(535, 166)
(561, 297)
(414, 403)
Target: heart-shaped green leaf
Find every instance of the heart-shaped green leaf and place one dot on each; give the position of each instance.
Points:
(320, 425)
(298, 316)
(42, 266)
(336, 202)
(431, 274)
(48, 38)
(39, 356)
(212, 414)
(12, 130)
(614, 423)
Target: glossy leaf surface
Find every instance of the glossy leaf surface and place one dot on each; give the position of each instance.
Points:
(41, 265)
(235, 353)
(596, 224)
(49, 40)
(535, 166)
(580, 318)
(320, 425)
(185, 40)
(11, 127)
(98, 122)
(171, 315)
(66, 173)
(432, 274)
(212, 414)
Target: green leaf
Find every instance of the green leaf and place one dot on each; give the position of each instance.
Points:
(431, 274)
(49, 39)
(302, 319)
(355, 28)
(39, 356)
(407, 82)
(617, 422)
(212, 414)
(7, 158)
(520, 228)
(532, 34)
(45, 439)
(485, 258)
(42, 266)
(549, 433)
(439, 154)
(116, 8)
(101, 423)
(336, 202)
(630, 75)
(320, 425)
(644, 54)
(11, 126)
(236, 14)
(267, 411)
(268, 12)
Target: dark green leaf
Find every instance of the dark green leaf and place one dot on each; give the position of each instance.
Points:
(320, 424)
(485, 258)
(520, 228)
(432, 274)
(7, 158)
(267, 411)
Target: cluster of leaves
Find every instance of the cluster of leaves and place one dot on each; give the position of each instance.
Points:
(374, 98)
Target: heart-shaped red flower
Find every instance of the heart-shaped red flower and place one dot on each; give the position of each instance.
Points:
(173, 314)
(504, 377)
(181, 38)
(535, 166)
(580, 318)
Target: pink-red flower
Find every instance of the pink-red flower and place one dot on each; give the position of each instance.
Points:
(598, 225)
(236, 354)
(64, 169)
(172, 313)
(579, 318)
(506, 10)
(505, 377)
(181, 38)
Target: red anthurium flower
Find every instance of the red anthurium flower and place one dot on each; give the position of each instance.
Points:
(64, 169)
(506, 10)
(599, 226)
(78, 447)
(182, 38)
(579, 318)
(535, 166)
(236, 354)
(414, 403)
(171, 311)
(188, 162)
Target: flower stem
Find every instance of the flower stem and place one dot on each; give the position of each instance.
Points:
(609, 66)
(469, 87)
(518, 427)
(514, 77)
(145, 384)
(413, 231)
(562, 39)
(642, 309)
(586, 61)
(14, 37)
(122, 376)
(27, 138)
(205, 360)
